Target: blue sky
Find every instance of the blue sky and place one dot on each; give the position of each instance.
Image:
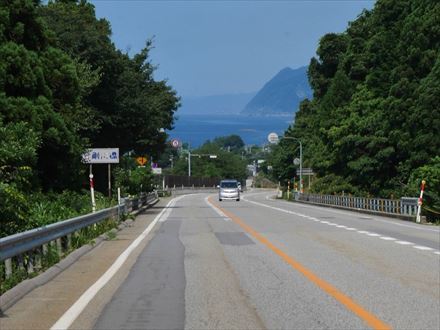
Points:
(225, 47)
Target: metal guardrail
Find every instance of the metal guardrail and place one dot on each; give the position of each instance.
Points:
(406, 206)
(38, 238)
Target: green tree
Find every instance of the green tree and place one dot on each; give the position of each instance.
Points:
(18, 155)
(130, 106)
(225, 165)
(39, 85)
(375, 116)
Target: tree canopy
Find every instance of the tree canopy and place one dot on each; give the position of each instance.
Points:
(64, 87)
(228, 163)
(375, 116)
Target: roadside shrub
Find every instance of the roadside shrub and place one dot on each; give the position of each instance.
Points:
(431, 198)
(52, 207)
(333, 184)
(135, 181)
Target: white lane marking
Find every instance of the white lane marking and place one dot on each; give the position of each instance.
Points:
(330, 210)
(169, 208)
(220, 213)
(65, 321)
(404, 243)
(423, 248)
(385, 238)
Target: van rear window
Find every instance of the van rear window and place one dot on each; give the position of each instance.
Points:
(228, 185)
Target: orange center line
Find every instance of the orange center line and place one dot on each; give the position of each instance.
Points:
(349, 303)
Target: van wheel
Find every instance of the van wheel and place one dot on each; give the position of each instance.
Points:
(219, 199)
(238, 199)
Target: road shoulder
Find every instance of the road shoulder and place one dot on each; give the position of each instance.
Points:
(43, 306)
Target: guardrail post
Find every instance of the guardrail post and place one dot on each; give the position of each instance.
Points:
(69, 241)
(20, 262)
(8, 267)
(37, 257)
(59, 247)
(44, 249)
(30, 262)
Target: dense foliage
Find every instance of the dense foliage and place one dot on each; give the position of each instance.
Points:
(373, 126)
(229, 161)
(65, 87)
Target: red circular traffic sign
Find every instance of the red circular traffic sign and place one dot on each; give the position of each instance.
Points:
(175, 143)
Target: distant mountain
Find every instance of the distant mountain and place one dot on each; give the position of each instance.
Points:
(281, 95)
(215, 104)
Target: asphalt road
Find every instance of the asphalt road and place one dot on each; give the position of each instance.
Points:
(264, 263)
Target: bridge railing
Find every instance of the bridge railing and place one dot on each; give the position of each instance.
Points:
(406, 206)
(24, 252)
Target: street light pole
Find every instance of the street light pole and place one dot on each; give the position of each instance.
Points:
(189, 162)
(197, 155)
(300, 160)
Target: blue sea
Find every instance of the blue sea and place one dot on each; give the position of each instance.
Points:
(196, 129)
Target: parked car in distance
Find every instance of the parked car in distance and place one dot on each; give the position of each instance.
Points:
(228, 189)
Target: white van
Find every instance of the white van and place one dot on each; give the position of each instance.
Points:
(228, 189)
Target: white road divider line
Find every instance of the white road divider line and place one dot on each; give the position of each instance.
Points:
(423, 248)
(404, 243)
(76, 309)
(385, 238)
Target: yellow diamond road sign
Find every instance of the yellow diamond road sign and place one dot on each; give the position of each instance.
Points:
(141, 160)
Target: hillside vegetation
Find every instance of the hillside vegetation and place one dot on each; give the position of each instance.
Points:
(373, 126)
(64, 87)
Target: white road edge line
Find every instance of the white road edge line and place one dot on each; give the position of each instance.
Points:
(385, 238)
(65, 321)
(416, 227)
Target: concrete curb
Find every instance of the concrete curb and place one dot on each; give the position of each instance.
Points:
(10, 297)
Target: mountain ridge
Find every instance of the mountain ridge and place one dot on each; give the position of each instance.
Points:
(281, 95)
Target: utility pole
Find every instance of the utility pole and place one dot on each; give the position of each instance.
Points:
(189, 162)
(301, 188)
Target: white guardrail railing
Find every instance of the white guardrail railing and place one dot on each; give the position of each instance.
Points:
(28, 247)
(406, 206)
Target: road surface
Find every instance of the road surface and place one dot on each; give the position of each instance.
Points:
(263, 263)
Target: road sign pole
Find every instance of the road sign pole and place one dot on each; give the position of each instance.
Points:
(301, 189)
(92, 190)
(420, 201)
(109, 181)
